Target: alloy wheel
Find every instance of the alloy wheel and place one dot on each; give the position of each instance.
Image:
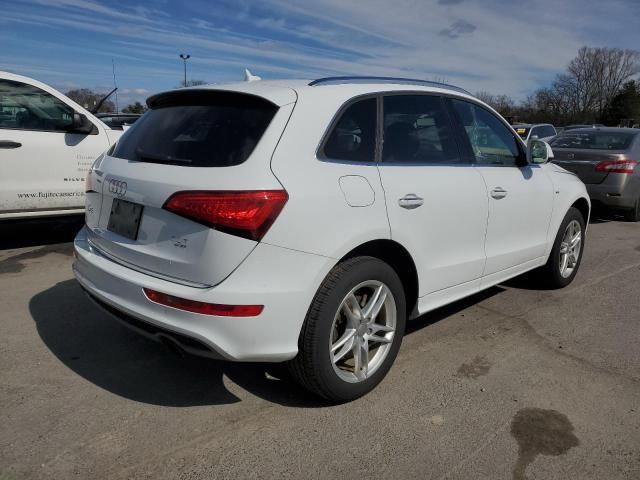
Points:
(570, 248)
(363, 330)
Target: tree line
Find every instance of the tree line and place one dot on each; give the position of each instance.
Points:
(600, 85)
(89, 99)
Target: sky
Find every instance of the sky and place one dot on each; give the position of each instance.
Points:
(501, 46)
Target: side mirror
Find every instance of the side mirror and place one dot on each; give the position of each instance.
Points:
(81, 124)
(538, 152)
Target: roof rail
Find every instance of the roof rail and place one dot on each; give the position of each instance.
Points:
(400, 80)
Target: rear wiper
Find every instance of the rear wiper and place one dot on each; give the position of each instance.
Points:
(160, 158)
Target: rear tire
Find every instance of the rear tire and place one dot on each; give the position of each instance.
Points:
(352, 332)
(566, 254)
(633, 215)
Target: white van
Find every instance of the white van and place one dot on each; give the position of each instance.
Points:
(47, 145)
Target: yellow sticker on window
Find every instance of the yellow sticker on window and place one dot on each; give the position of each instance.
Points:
(521, 130)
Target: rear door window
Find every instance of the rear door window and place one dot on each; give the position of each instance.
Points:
(198, 129)
(417, 129)
(536, 132)
(547, 131)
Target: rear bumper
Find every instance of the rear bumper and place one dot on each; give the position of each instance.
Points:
(282, 280)
(617, 191)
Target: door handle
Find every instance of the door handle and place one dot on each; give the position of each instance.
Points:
(9, 144)
(498, 193)
(410, 201)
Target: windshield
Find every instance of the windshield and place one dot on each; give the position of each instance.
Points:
(595, 140)
(212, 130)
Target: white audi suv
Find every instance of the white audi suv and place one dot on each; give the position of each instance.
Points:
(305, 221)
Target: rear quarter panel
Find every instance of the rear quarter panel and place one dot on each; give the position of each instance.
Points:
(318, 218)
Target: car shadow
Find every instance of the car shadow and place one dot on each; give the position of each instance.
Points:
(604, 215)
(104, 352)
(441, 313)
(41, 231)
(107, 354)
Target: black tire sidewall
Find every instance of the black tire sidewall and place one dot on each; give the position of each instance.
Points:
(554, 260)
(633, 215)
(368, 268)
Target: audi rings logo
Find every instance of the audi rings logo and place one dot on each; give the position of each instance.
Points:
(117, 187)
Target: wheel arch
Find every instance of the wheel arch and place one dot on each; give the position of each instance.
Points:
(394, 254)
(584, 207)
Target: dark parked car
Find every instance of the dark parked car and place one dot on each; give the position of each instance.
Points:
(118, 120)
(607, 161)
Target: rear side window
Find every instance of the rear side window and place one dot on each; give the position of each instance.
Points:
(353, 137)
(198, 129)
(547, 131)
(417, 130)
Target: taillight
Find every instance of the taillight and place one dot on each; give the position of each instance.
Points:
(616, 166)
(202, 307)
(248, 214)
(88, 179)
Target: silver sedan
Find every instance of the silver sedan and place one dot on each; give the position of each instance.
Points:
(607, 161)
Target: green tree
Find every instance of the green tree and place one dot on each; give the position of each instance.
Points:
(192, 83)
(134, 108)
(625, 106)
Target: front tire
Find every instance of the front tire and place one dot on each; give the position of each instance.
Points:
(633, 215)
(566, 254)
(352, 332)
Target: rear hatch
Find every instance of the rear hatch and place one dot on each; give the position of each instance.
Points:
(583, 162)
(197, 141)
(584, 152)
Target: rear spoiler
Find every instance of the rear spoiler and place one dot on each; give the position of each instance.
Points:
(206, 96)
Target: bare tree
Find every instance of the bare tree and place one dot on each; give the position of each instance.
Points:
(501, 103)
(593, 79)
(89, 99)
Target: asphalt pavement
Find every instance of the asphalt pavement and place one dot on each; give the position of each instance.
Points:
(513, 383)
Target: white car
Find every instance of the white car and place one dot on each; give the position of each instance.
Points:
(538, 131)
(305, 222)
(47, 145)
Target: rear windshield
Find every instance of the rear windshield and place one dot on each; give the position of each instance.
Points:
(595, 140)
(522, 132)
(198, 129)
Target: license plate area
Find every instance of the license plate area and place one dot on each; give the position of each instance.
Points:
(124, 218)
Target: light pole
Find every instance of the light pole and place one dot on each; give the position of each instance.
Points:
(184, 59)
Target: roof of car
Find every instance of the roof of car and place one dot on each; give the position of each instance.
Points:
(284, 91)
